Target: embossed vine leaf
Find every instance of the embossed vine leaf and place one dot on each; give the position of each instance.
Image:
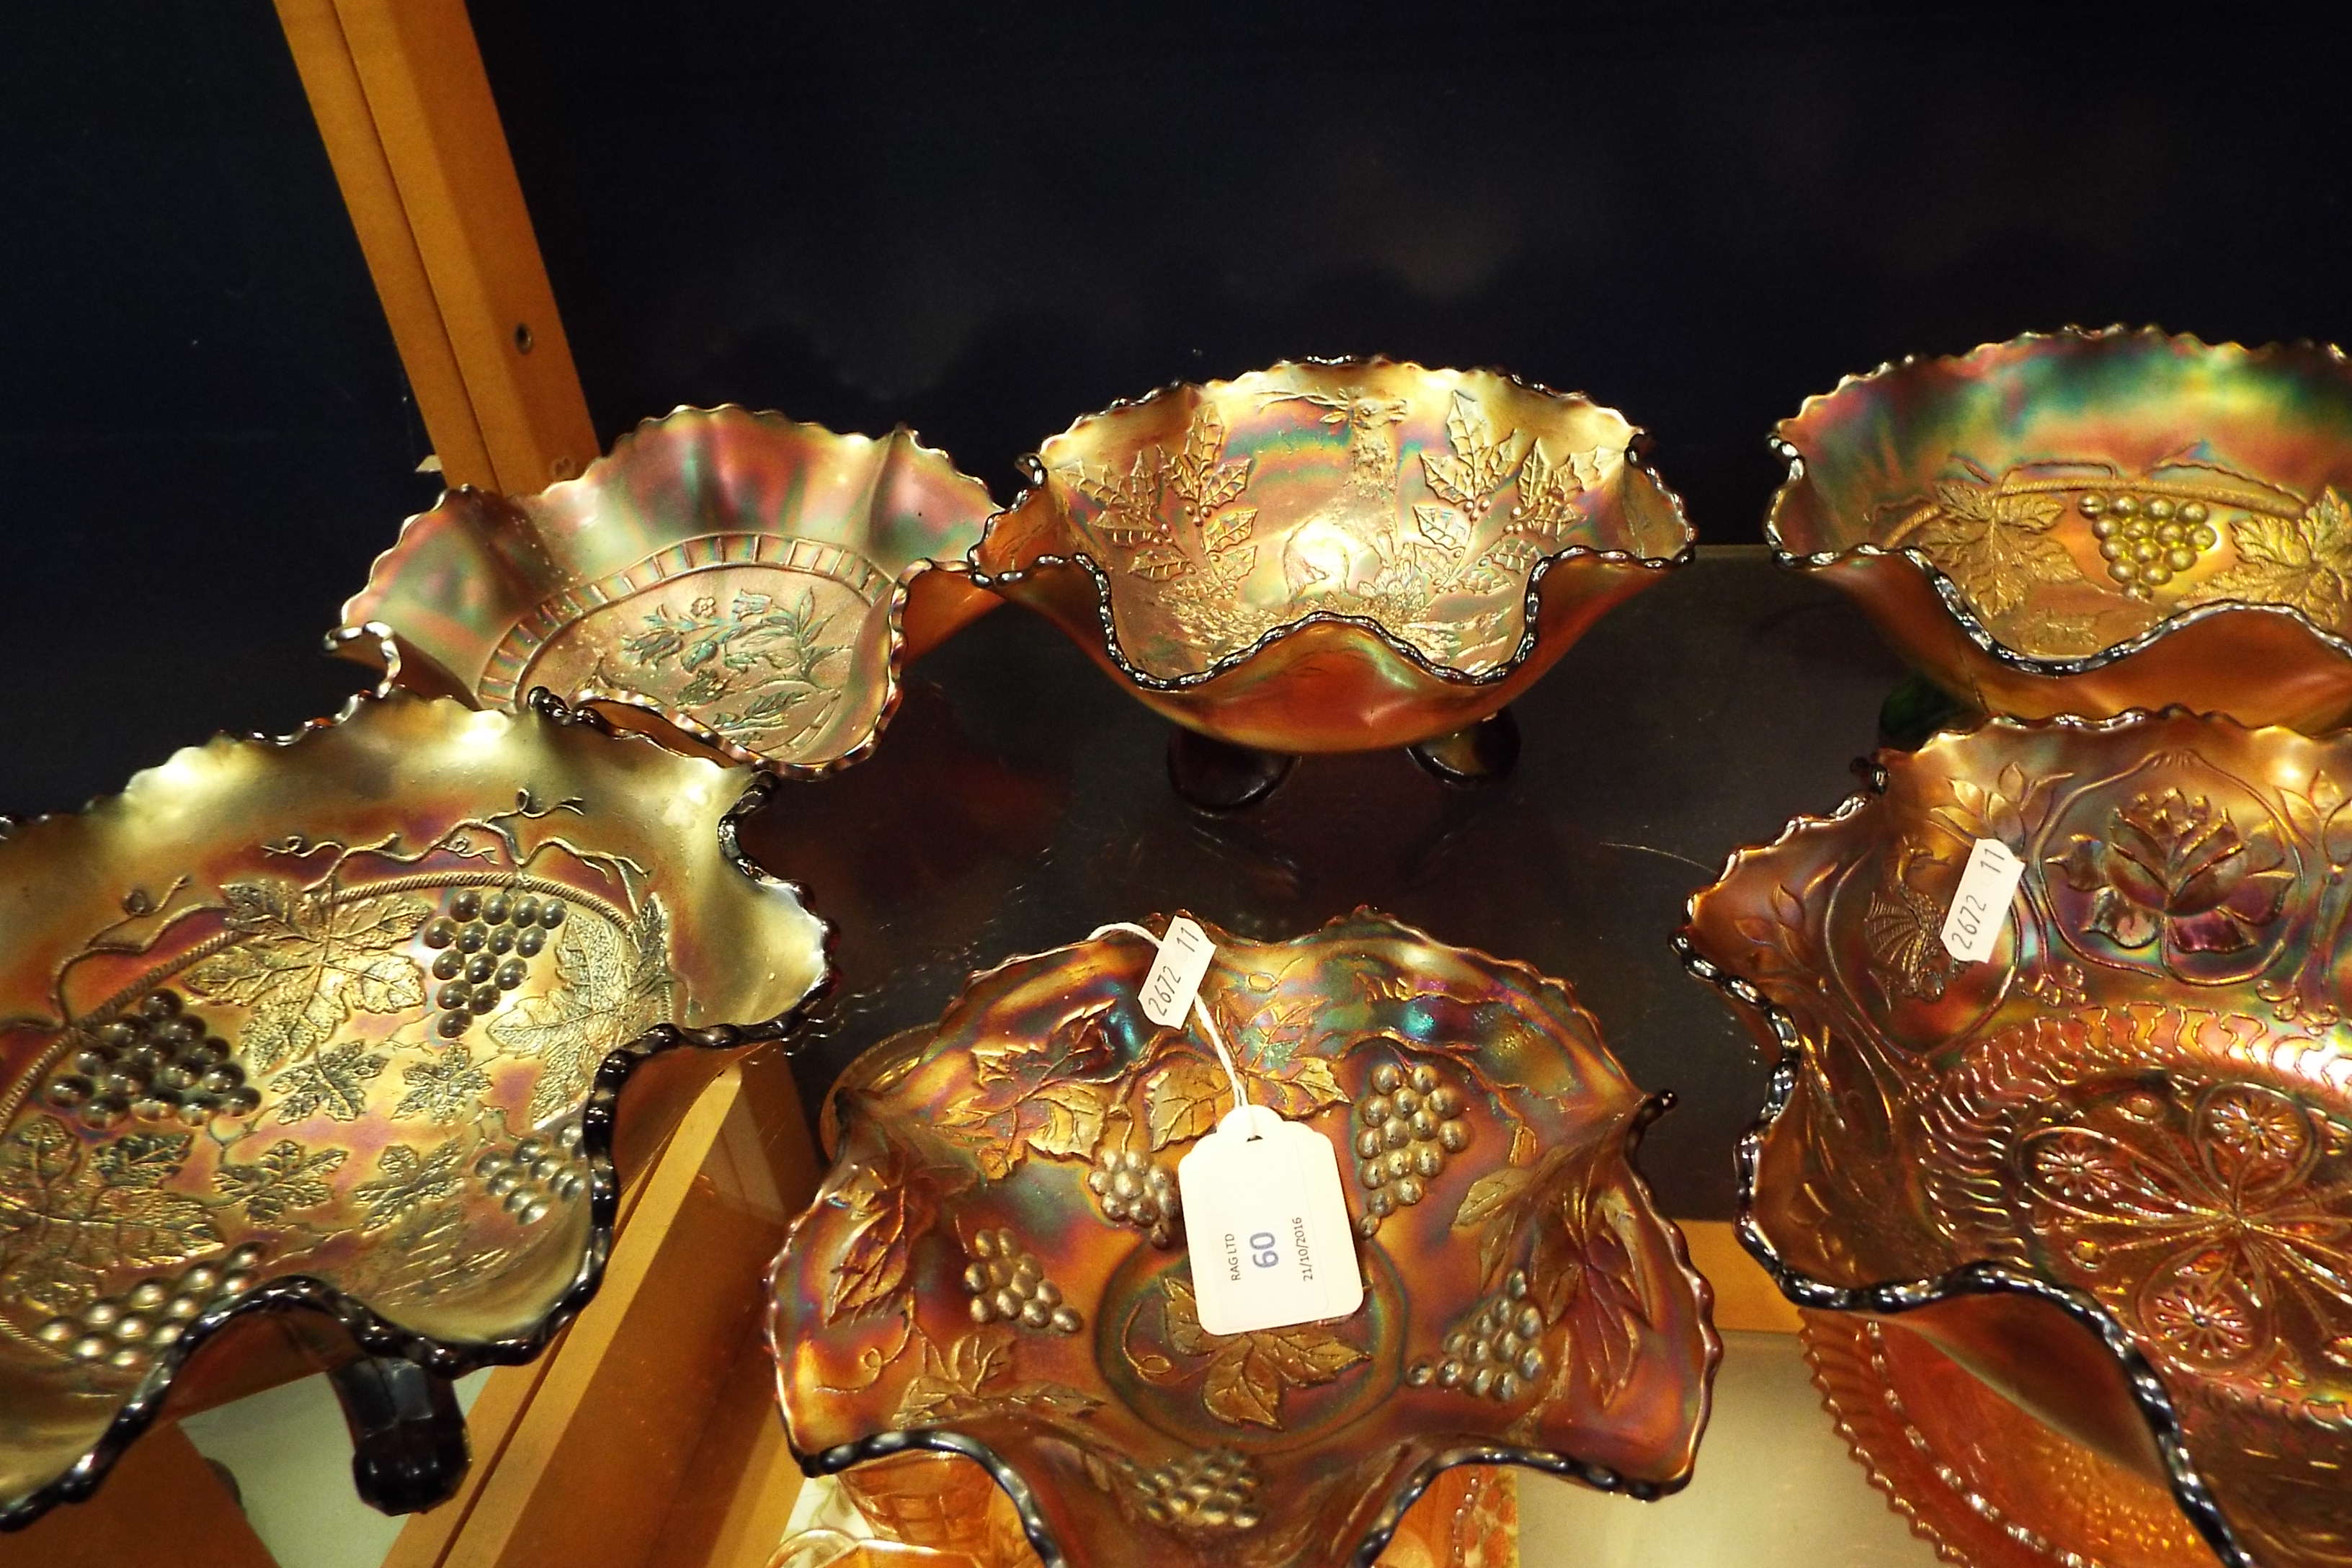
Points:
(613, 986)
(68, 1218)
(1588, 1265)
(1501, 1204)
(1247, 1373)
(285, 1178)
(406, 1181)
(448, 1087)
(974, 1377)
(303, 961)
(1048, 1096)
(2305, 562)
(335, 1081)
(1183, 1100)
(1993, 542)
(891, 1209)
(1295, 1091)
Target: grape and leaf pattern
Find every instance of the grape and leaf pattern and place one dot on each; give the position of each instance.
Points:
(2000, 540)
(188, 1125)
(1243, 1377)
(1179, 524)
(304, 960)
(71, 1214)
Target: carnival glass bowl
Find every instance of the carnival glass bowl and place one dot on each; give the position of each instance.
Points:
(342, 1023)
(735, 583)
(1335, 555)
(2108, 1169)
(996, 1264)
(2088, 522)
(924, 1509)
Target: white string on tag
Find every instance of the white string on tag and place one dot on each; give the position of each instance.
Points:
(1200, 1008)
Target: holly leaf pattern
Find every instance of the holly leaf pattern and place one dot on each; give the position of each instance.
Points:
(449, 1088)
(1130, 503)
(1443, 526)
(407, 1182)
(302, 962)
(1248, 1373)
(70, 1218)
(334, 1081)
(613, 984)
(287, 1177)
(1505, 563)
(1228, 529)
(1479, 464)
(1547, 506)
(1200, 473)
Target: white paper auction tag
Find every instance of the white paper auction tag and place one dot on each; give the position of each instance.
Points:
(1267, 1226)
(1175, 977)
(1973, 926)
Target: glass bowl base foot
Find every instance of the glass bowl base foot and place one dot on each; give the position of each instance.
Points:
(1217, 775)
(408, 1437)
(1480, 753)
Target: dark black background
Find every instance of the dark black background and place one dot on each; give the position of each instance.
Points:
(984, 221)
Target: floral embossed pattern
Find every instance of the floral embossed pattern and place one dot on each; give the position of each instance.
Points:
(732, 583)
(332, 1008)
(2068, 523)
(1452, 531)
(2145, 1096)
(987, 1263)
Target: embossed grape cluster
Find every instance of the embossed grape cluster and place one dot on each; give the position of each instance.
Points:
(1009, 1286)
(536, 1175)
(1134, 1191)
(1404, 1130)
(155, 1063)
(1202, 1492)
(1497, 1354)
(2145, 544)
(125, 1332)
(485, 945)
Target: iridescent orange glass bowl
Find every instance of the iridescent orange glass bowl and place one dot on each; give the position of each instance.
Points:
(737, 584)
(2108, 1169)
(315, 1048)
(2089, 523)
(1335, 555)
(996, 1264)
